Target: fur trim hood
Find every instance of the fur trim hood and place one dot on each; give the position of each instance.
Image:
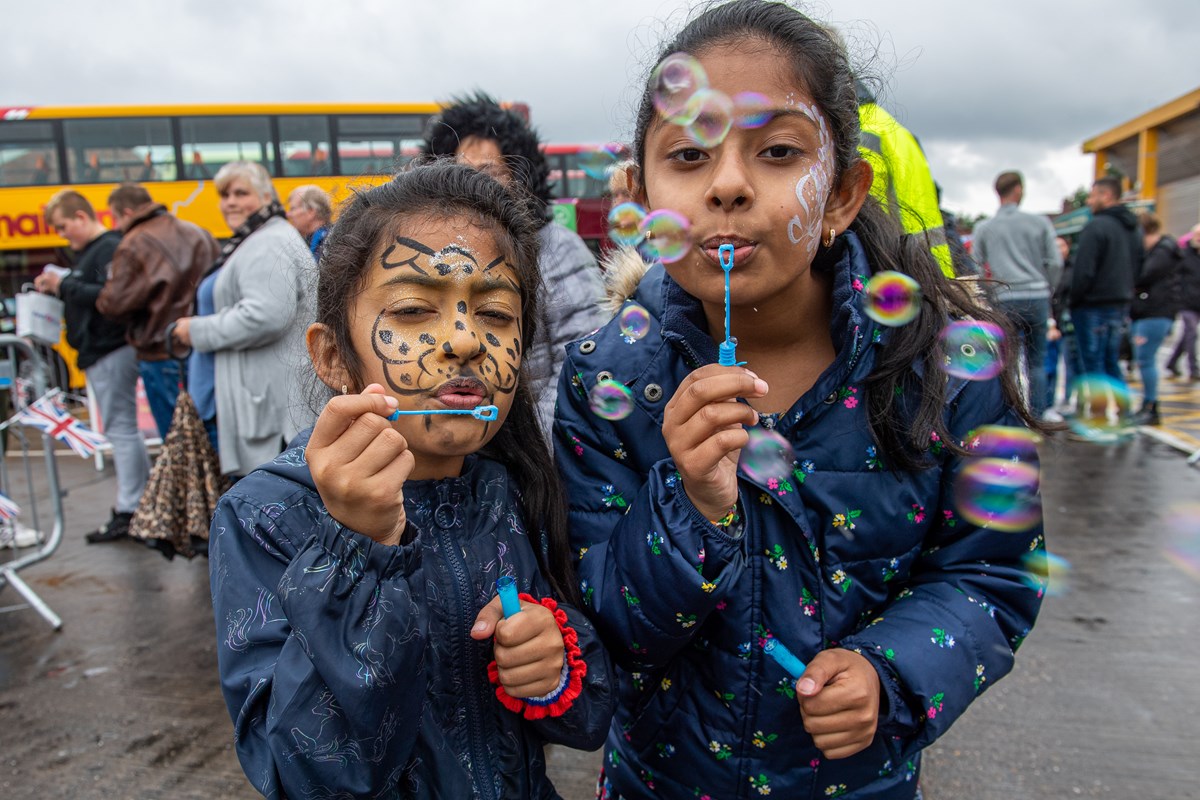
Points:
(623, 269)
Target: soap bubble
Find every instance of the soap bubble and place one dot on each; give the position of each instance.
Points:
(1046, 572)
(972, 349)
(999, 494)
(624, 223)
(999, 441)
(1183, 525)
(611, 399)
(893, 298)
(635, 322)
(668, 235)
(599, 163)
(675, 80)
(767, 455)
(1102, 406)
(711, 115)
(751, 110)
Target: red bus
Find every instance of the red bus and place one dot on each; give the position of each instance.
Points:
(581, 199)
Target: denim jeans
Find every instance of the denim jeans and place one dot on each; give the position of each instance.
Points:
(1098, 339)
(1029, 317)
(162, 380)
(113, 380)
(1186, 346)
(1153, 330)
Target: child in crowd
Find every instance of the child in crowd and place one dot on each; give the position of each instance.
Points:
(363, 652)
(858, 558)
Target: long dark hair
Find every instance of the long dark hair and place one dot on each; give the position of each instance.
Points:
(900, 424)
(442, 188)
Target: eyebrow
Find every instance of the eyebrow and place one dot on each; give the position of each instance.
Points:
(485, 284)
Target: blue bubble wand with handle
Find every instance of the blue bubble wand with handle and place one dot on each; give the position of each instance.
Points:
(510, 603)
(727, 350)
(784, 657)
(485, 413)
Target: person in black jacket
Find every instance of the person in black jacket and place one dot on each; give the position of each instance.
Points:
(110, 363)
(1189, 311)
(1107, 261)
(1154, 303)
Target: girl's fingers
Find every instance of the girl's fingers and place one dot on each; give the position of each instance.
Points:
(343, 411)
(713, 384)
(709, 420)
(380, 452)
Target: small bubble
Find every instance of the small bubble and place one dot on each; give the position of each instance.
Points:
(624, 223)
(599, 163)
(1046, 572)
(1102, 406)
(999, 494)
(712, 117)
(635, 322)
(767, 455)
(751, 110)
(611, 399)
(972, 349)
(1183, 528)
(893, 298)
(668, 235)
(1000, 441)
(675, 80)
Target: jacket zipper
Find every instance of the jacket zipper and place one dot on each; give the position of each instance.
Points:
(480, 768)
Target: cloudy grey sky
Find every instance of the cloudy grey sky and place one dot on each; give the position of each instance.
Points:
(985, 86)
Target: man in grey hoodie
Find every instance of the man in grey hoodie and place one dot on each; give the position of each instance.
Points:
(1107, 261)
(1019, 252)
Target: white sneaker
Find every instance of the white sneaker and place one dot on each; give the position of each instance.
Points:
(1050, 415)
(26, 537)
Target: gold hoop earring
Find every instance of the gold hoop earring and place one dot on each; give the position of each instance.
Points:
(829, 243)
(345, 390)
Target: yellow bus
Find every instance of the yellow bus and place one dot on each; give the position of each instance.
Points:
(174, 150)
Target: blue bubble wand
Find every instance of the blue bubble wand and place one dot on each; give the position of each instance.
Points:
(485, 413)
(510, 603)
(784, 657)
(727, 350)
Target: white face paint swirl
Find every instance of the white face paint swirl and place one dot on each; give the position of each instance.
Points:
(812, 188)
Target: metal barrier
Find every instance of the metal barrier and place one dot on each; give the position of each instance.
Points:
(37, 375)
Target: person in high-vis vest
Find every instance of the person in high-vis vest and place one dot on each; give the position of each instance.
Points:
(903, 183)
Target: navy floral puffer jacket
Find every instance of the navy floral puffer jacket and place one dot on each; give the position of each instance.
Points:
(840, 553)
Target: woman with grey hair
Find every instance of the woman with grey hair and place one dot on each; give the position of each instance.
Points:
(310, 212)
(247, 338)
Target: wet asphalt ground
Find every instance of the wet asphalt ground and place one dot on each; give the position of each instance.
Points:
(123, 702)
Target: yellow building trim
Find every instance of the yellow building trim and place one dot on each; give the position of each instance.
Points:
(1147, 164)
(1151, 119)
(216, 109)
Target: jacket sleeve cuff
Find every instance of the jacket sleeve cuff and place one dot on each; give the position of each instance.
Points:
(570, 682)
(896, 718)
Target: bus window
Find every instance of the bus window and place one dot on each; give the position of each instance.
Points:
(28, 154)
(378, 145)
(116, 150)
(210, 143)
(304, 146)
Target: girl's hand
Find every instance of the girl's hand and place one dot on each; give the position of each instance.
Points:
(359, 463)
(529, 647)
(839, 702)
(702, 425)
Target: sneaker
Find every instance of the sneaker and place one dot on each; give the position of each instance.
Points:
(1148, 415)
(116, 528)
(26, 537)
(1051, 415)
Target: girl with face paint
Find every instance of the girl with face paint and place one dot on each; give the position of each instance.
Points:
(849, 547)
(363, 650)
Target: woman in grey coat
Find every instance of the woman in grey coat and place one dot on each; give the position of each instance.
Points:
(255, 333)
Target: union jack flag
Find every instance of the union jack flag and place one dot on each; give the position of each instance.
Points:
(49, 415)
(8, 509)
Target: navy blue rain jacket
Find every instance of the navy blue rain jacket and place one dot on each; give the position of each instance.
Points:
(840, 553)
(347, 665)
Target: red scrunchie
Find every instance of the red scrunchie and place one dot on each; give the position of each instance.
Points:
(565, 695)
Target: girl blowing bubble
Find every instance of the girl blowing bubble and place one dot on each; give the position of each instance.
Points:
(363, 652)
(857, 556)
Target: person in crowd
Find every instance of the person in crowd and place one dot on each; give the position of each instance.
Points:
(91, 171)
(1155, 299)
(902, 183)
(148, 171)
(403, 657)
(320, 163)
(479, 132)
(845, 545)
(197, 169)
(960, 257)
(1018, 251)
(1189, 312)
(41, 171)
(103, 354)
(1060, 337)
(247, 366)
(1107, 259)
(311, 213)
(151, 284)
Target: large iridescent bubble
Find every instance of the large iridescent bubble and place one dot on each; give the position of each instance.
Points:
(1102, 408)
(767, 455)
(668, 235)
(1006, 442)
(751, 110)
(599, 163)
(610, 399)
(1046, 572)
(675, 80)
(973, 349)
(624, 223)
(999, 494)
(893, 298)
